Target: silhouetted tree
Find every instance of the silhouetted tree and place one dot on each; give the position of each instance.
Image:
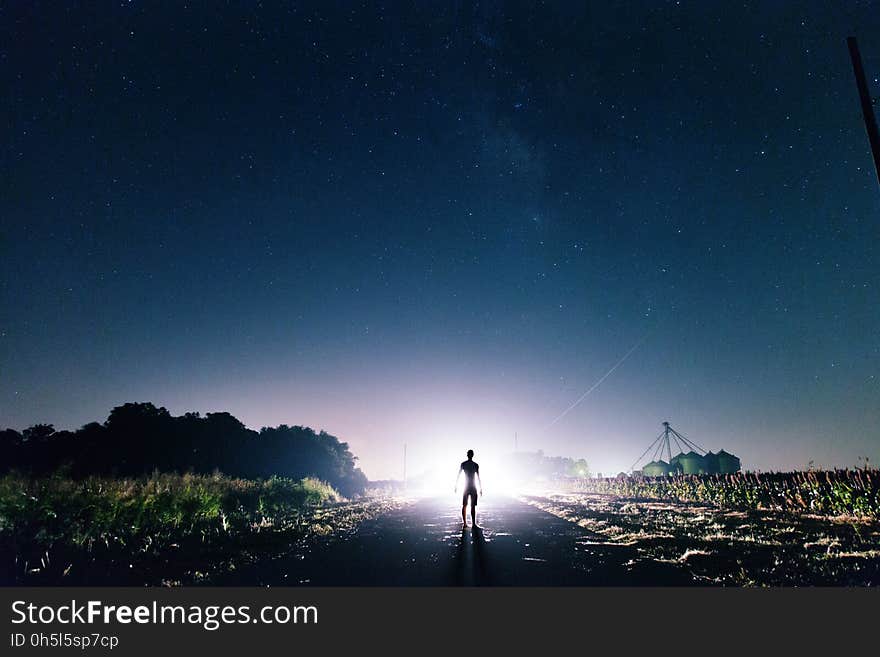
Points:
(138, 438)
(10, 448)
(38, 433)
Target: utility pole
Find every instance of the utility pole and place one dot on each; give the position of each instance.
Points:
(867, 103)
(515, 442)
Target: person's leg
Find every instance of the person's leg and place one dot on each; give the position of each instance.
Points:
(464, 515)
(474, 515)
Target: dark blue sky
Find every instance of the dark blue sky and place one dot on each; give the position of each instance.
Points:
(442, 224)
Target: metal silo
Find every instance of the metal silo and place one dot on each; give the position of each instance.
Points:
(728, 463)
(656, 469)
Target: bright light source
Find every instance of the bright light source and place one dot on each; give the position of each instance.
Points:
(435, 468)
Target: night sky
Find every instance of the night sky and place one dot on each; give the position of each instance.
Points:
(440, 225)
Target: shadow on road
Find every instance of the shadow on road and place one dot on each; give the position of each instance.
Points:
(472, 563)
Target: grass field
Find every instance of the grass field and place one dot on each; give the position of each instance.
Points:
(164, 529)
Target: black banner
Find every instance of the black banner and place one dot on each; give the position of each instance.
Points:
(228, 621)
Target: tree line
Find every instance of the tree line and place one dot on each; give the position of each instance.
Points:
(138, 438)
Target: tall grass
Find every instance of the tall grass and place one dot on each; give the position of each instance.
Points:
(851, 492)
(54, 524)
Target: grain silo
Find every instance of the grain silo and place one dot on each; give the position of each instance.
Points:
(656, 469)
(694, 461)
(691, 463)
(728, 463)
(711, 462)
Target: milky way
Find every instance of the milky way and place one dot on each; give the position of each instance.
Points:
(441, 225)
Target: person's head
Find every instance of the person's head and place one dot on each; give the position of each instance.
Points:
(470, 453)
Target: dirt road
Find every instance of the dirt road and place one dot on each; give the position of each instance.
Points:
(424, 545)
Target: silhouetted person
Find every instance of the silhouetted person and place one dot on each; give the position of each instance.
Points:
(472, 474)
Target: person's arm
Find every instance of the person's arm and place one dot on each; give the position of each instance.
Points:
(481, 481)
(457, 477)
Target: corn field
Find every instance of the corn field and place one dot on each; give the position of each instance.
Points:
(849, 492)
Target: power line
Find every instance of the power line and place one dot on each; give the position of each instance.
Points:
(866, 102)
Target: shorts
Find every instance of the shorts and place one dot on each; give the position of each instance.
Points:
(472, 493)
